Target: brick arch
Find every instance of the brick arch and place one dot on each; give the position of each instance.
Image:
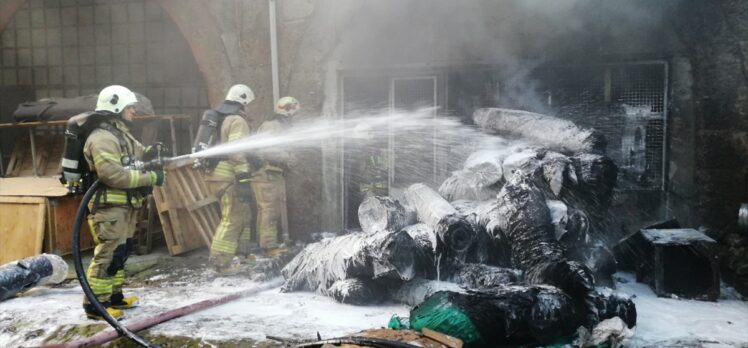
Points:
(199, 29)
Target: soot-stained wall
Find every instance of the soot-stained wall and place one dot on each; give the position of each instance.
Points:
(715, 37)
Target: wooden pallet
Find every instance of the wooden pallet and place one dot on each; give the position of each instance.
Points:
(189, 213)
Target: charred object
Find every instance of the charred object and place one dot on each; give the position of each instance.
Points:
(676, 261)
(511, 315)
(22, 275)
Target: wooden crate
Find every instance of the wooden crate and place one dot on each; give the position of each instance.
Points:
(189, 213)
(59, 233)
(24, 203)
(22, 228)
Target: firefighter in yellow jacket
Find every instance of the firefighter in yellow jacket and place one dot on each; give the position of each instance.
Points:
(230, 182)
(109, 148)
(268, 183)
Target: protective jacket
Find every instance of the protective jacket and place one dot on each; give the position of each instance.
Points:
(233, 128)
(108, 150)
(273, 159)
(268, 185)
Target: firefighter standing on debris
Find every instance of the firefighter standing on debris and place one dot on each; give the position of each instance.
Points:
(108, 150)
(268, 183)
(229, 181)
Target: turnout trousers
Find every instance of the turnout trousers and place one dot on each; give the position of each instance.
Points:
(234, 227)
(112, 229)
(268, 189)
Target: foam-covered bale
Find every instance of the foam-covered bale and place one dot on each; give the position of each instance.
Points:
(413, 292)
(474, 186)
(31, 272)
(479, 276)
(479, 180)
(378, 255)
(455, 234)
(377, 213)
(559, 171)
(544, 130)
(426, 240)
(520, 217)
(484, 248)
(509, 315)
(526, 160)
(597, 176)
(357, 291)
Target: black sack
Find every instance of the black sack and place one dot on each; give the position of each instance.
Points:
(51, 109)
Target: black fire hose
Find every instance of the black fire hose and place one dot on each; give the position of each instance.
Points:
(80, 216)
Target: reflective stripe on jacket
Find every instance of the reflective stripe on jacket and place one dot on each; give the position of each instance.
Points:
(104, 155)
(233, 128)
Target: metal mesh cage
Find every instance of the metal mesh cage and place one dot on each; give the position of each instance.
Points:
(626, 102)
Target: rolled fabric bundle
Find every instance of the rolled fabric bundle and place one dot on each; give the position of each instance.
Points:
(377, 213)
(367, 256)
(30, 272)
(457, 237)
(544, 130)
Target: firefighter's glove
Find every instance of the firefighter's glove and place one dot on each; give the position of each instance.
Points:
(243, 187)
(157, 177)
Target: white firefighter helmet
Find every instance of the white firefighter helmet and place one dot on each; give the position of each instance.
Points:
(240, 94)
(287, 106)
(115, 98)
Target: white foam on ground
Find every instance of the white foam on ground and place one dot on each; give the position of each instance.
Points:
(661, 320)
(302, 314)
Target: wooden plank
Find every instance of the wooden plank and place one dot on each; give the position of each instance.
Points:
(163, 216)
(33, 152)
(22, 229)
(449, 341)
(202, 203)
(29, 186)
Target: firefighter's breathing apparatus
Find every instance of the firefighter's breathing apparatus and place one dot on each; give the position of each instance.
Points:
(78, 178)
(208, 134)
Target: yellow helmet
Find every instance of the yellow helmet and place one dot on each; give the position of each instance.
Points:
(287, 106)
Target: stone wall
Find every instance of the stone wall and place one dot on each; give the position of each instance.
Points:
(715, 34)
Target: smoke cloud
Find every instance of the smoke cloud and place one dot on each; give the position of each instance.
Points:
(517, 36)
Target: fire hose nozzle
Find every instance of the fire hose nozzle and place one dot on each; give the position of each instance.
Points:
(154, 164)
